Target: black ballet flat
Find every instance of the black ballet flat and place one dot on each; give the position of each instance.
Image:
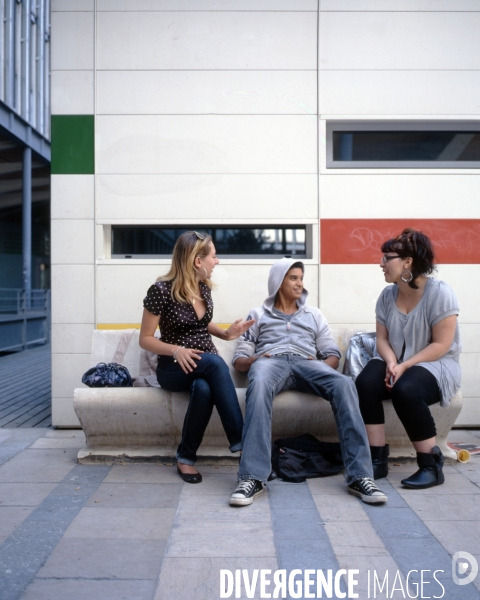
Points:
(189, 477)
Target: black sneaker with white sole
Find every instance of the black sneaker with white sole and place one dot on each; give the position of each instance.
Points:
(366, 489)
(246, 491)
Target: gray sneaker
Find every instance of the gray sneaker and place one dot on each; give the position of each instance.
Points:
(366, 489)
(246, 491)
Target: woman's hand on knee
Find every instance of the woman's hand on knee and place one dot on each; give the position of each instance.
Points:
(393, 374)
(187, 357)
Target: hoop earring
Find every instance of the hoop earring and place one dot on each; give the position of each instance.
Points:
(409, 277)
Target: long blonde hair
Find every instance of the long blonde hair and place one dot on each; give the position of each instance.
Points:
(183, 273)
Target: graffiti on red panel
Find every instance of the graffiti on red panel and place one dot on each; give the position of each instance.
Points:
(357, 241)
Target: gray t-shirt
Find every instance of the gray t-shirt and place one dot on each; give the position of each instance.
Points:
(415, 331)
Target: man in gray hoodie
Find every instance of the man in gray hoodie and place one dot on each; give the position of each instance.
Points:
(290, 346)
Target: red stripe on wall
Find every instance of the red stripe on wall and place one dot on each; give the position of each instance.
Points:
(358, 241)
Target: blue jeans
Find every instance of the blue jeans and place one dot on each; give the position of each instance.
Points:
(210, 385)
(270, 376)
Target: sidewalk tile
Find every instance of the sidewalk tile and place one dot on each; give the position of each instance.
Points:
(37, 466)
(200, 539)
(137, 495)
(142, 474)
(10, 518)
(223, 484)
(455, 483)
(457, 535)
(328, 485)
(330, 509)
(298, 523)
(62, 442)
(24, 494)
(203, 579)
(89, 558)
(450, 508)
(122, 523)
(216, 508)
(84, 589)
(354, 538)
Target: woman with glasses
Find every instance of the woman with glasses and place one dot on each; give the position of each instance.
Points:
(418, 343)
(180, 303)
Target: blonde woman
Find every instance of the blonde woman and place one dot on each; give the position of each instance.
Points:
(180, 303)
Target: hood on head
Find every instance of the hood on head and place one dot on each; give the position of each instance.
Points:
(275, 278)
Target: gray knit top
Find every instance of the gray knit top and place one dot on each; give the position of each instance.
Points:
(415, 331)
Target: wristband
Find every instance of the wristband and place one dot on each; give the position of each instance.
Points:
(175, 353)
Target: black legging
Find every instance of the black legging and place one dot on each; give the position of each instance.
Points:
(414, 392)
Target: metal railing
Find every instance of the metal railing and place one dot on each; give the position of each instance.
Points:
(24, 318)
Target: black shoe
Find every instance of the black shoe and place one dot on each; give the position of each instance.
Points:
(430, 472)
(189, 477)
(379, 461)
(366, 489)
(273, 475)
(246, 491)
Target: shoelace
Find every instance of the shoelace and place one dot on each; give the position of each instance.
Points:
(245, 485)
(368, 484)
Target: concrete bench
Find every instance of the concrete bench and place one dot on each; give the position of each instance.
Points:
(145, 424)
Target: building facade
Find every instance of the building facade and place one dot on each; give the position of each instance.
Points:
(306, 127)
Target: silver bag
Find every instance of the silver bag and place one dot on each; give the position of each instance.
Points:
(361, 349)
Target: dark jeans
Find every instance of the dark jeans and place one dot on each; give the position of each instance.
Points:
(414, 392)
(210, 385)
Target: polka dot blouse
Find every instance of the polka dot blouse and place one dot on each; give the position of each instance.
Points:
(179, 323)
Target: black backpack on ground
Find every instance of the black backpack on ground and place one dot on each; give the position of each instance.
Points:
(295, 459)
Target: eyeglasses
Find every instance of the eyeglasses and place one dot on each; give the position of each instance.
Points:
(386, 258)
(200, 237)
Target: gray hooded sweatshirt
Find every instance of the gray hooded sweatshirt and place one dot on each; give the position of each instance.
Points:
(307, 332)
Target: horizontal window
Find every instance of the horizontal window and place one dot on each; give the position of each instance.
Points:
(402, 145)
(130, 241)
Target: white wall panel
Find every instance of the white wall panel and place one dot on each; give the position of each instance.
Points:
(238, 289)
(73, 294)
(63, 414)
(206, 92)
(73, 41)
(73, 196)
(217, 5)
(470, 364)
(470, 413)
(206, 144)
(67, 371)
(72, 338)
(395, 5)
(207, 197)
(465, 282)
(470, 336)
(387, 93)
(391, 40)
(375, 195)
(348, 293)
(72, 241)
(206, 40)
(72, 93)
(72, 5)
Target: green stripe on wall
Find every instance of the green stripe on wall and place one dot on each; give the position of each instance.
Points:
(73, 151)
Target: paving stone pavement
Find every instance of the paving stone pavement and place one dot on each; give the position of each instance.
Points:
(136, 532)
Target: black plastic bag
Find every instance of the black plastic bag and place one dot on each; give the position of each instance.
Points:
(295, 459)
(107, 375)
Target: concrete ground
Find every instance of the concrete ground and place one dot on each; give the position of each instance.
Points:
(136, 532)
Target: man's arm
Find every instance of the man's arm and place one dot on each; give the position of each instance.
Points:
(244, 355)
(327, 349)
(332, 361)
